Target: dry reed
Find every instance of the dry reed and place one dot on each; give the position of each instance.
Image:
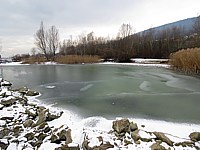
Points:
(33, 60)
(187, 60)
(76, 59)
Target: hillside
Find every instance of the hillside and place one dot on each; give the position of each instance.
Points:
(186, 25)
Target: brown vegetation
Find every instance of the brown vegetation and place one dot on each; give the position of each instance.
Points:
(76, 59)
(67, 59)
(33, 60)
(187, 60)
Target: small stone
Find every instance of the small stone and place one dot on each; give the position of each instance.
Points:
(32, 93)
(133, 126)
(157, 146)
(28, 123)
(29, 136)
(41, 136)
(54, 139)
(68, 136)
(135, 136)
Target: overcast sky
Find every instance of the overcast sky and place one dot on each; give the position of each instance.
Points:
(19, 19)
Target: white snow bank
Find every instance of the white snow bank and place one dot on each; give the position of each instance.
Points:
(136, 64)
(12, 64)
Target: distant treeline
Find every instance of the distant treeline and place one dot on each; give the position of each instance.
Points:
(148, 44)
(151, 43)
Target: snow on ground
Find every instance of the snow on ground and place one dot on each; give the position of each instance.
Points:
(12, 64)
(136, 64)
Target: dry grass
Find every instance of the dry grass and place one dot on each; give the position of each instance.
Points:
(186, 60)
(33, 60)
(76, 59)
(68, 59)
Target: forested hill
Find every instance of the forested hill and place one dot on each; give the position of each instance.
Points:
(186, 25)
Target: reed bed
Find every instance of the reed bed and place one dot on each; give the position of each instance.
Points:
(187, 60)
(76, 59)
(34, 60)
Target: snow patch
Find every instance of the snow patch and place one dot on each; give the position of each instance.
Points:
(86, 87)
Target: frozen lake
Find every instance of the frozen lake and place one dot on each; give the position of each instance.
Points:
(113, 90)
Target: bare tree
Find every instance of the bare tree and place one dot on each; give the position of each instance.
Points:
(40, 40)
(52, 40)
(125, 30)
(196, 25)
(33, 51)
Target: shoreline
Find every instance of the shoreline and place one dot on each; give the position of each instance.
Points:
(52, 127)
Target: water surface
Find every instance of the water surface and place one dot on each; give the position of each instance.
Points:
(113, 90)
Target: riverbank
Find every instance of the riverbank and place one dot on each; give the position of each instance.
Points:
(26, 123)
(135, 62)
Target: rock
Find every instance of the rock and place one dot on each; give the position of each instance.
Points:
(32, 93)
(17, 130)
(6, 118)
(41, 136)
(145, 139)
(185, 144)
(4, 132)
(121, 125)
(62, 135)
(3, 144)
(41, 116)
(67, 147)
(135, 136)
(30, 114)
(157, 146)
(54, 139)
(195, 136)
(3, 95)
(127, 142)
(68, 136)
(29, 136)
(47, 129)
(8, 102)
(104, 146)
(28, 123)
(42, 125)
(161, 136)
(23, 90)
(133, 126)
(1, 106)
(6, 83)
(142, 126)
(51, 117)
(85, 145)
(36, 144)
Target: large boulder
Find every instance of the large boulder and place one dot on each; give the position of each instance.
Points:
(121, 126)
(161, 136)
(195, 136)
